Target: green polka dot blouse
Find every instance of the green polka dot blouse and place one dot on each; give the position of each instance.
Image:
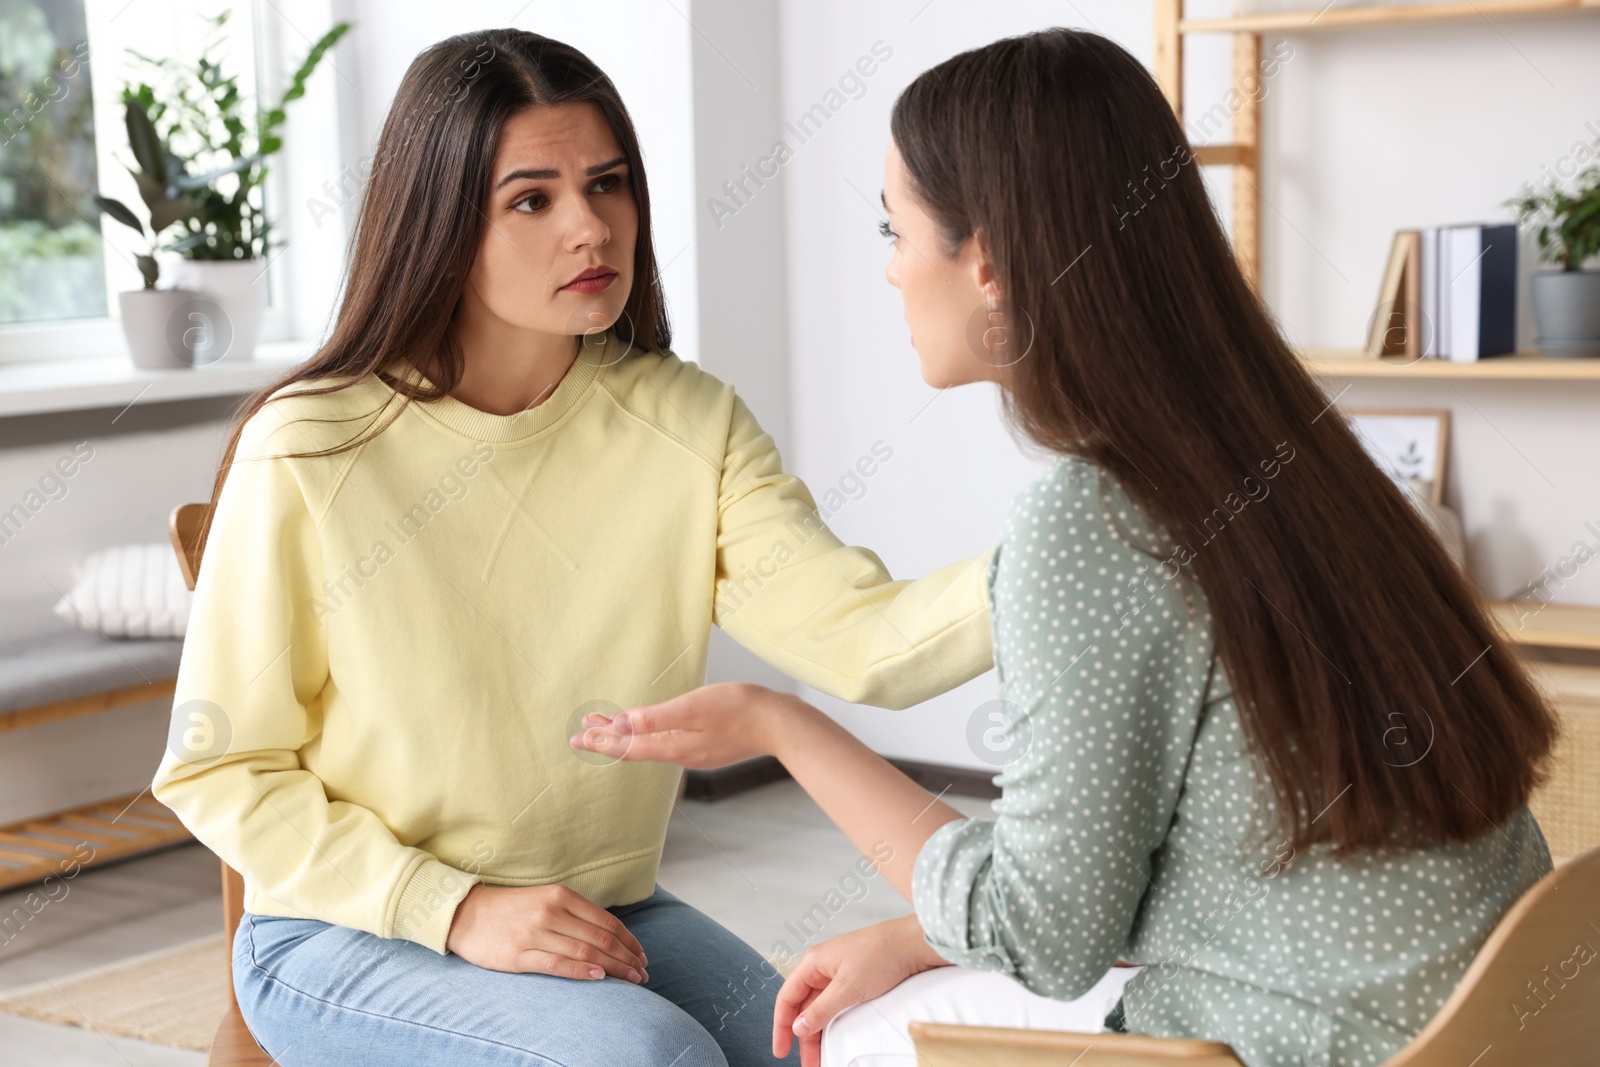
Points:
(1132, 821)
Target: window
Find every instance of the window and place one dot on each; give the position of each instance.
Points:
(63, 67)
(51, 260)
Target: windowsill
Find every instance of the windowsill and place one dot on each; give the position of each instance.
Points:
(113, 381)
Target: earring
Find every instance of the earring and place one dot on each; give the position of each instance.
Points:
(994, 337)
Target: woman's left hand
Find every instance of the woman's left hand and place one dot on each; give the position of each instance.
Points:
(842, 972)
(707, 727)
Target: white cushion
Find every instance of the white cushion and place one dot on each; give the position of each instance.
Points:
(128, 591)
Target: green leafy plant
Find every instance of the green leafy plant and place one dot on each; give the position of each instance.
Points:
(189, 143)
(164, 186)
(1569, 221)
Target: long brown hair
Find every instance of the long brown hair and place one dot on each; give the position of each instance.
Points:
(422, 215)
(1338, 615)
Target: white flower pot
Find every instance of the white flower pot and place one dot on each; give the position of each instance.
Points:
(238, 288)
(154, 323)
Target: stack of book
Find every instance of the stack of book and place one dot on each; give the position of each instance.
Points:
(1450, 292)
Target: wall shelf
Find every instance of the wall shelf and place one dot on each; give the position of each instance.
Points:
(1530, 622)
(1351, 17)
(1524, 366)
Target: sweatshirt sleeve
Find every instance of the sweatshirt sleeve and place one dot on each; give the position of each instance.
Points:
(829, 614)
(248, 699)
(1104, 666)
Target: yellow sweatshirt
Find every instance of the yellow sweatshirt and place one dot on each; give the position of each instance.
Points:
(389, 647)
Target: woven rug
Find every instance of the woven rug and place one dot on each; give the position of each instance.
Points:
(175, 997)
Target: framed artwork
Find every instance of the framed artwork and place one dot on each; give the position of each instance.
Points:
(1406, 444)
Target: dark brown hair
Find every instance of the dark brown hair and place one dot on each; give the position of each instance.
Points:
(421, 219)
(1338, 614)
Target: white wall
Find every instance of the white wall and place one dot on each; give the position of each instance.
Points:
(1367, 132)
(740, 266)
(854, 374)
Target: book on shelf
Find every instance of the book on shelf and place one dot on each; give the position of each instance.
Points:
(1395, 324)
(1429, 309)
(1448, 292)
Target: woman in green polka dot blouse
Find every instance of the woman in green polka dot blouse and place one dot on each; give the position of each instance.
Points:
(1256, 736)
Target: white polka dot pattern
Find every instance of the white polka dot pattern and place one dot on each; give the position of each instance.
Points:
(1134, 823)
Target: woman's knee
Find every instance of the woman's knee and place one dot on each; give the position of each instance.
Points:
(661, 1034)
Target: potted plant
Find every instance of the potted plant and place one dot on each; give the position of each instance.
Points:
(164, 187)
(225, 241)
(1566, 302)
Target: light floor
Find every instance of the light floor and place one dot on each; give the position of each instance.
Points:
(757, 863)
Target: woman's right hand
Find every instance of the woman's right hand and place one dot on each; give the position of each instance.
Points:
(712, 726)
(546, 929)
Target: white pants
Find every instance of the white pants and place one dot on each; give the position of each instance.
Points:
(873, 1033)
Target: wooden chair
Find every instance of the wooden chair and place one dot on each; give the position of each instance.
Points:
(233, 1045)
(1529, 998)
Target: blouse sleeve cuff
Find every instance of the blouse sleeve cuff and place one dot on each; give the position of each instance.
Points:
(951, 868)
(428, 903)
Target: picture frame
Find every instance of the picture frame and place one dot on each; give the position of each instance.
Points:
(1406, 443)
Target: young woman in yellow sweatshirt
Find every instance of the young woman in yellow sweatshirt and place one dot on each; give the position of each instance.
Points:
(491, 505)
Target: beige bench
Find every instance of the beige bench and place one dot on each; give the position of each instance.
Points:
(64, 672)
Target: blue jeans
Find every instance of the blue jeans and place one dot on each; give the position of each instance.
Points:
(319, 995)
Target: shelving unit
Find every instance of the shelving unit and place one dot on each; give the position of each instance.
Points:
(1568, 804)
(1244, 153)
(1355, 16)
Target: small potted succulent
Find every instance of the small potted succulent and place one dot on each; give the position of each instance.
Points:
(1566, 302)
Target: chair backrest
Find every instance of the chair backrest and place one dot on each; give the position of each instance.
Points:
(1532, 996)
(184, 529)
(1533, 992)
